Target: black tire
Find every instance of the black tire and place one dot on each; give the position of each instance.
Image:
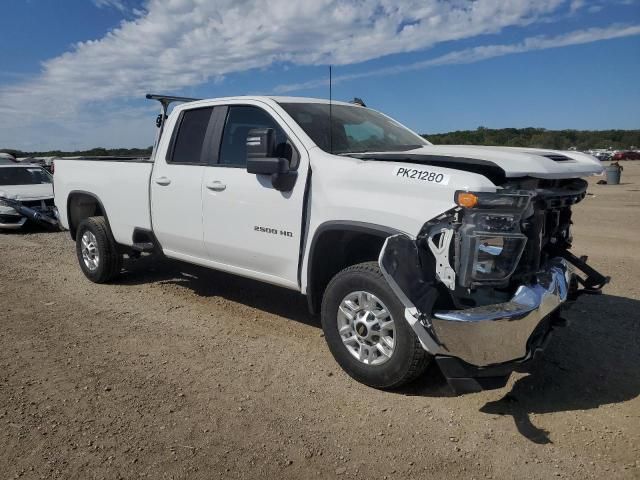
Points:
(408, 360)
(109, 260)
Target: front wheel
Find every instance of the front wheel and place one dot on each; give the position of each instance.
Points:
(97, 251)
(364, 326)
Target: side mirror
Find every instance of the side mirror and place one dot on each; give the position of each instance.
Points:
(267, 166)
(261, 153)
(261, 143)
(262, 159)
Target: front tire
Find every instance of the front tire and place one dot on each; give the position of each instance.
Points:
(364, 326)
(97, 251)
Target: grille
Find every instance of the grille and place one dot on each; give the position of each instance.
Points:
(550, 223)
(38, 204)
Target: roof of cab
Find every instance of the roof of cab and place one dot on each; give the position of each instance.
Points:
(277, 99)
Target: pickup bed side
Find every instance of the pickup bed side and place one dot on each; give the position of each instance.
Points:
(81, 191)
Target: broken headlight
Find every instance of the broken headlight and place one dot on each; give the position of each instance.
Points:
(492, 258)
(490, 240)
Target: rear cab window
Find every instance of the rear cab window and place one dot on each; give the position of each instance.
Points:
(189, 136)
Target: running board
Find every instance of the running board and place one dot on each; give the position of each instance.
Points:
(143, 247)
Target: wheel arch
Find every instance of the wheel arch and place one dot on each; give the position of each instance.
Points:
(82, 205)
(358, 242)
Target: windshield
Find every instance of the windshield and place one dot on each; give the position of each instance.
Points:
(23, 176)
(354, 129)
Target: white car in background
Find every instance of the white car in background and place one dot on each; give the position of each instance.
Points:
(31, 185)
(7, 159)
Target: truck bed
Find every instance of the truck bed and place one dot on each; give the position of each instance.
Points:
(120, 184)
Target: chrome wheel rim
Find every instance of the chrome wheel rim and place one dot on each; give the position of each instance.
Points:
(366, 328)
(90, 254)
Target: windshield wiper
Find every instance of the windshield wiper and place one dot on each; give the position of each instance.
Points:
(373, 151)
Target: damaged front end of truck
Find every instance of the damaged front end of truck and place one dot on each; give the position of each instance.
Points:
(484, 282)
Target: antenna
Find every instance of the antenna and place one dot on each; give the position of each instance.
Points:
(330, 113)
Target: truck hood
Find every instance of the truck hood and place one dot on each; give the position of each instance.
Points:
(42, 191)
(514, 162)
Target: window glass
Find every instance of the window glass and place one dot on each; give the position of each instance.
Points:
(23, 176)
(240, 120)
(353, 128)
(361, 132)
(189, 140)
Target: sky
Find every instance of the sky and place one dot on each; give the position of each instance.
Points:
(73, 73)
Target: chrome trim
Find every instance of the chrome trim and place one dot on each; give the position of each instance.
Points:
(499, 333)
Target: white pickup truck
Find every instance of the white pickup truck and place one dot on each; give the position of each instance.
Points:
(411, 252)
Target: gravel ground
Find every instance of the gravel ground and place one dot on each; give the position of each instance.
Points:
(181, 372)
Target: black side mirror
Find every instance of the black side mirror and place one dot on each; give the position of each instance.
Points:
(261, 153)
(262, 159)
(267, 166)
(261, 143)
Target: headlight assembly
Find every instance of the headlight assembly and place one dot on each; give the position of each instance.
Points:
(516, 200)
(490, 240)
(490, 258)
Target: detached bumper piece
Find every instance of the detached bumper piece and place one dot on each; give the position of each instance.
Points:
(39, 215)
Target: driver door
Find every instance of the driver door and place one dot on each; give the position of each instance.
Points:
(249, 227)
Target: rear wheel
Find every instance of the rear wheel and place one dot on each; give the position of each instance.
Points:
(364, 326)
(97, 251)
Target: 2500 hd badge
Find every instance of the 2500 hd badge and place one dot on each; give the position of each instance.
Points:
(273, 231)
(424, 175)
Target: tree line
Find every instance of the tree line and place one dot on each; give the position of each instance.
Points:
(541, 138)
(94, 152)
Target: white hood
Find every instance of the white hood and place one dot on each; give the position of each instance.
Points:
(521, 162)
(41, 191)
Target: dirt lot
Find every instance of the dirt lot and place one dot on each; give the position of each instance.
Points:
(179, 372)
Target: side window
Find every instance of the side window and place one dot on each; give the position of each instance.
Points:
(241, 119)
(189, 138)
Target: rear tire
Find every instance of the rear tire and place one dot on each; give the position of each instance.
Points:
(97, 251)
(397, 358)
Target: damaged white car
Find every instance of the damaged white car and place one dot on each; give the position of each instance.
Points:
(26, 192)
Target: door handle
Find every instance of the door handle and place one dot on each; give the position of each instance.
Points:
(163, 181)
(216, 186)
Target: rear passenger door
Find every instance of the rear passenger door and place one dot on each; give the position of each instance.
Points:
(176, 186)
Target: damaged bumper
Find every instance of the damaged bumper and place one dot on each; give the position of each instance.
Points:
(477, 348)
(15, 213)
(12, 222)
(500, 333)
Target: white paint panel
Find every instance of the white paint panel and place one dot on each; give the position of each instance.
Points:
(122, 187)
